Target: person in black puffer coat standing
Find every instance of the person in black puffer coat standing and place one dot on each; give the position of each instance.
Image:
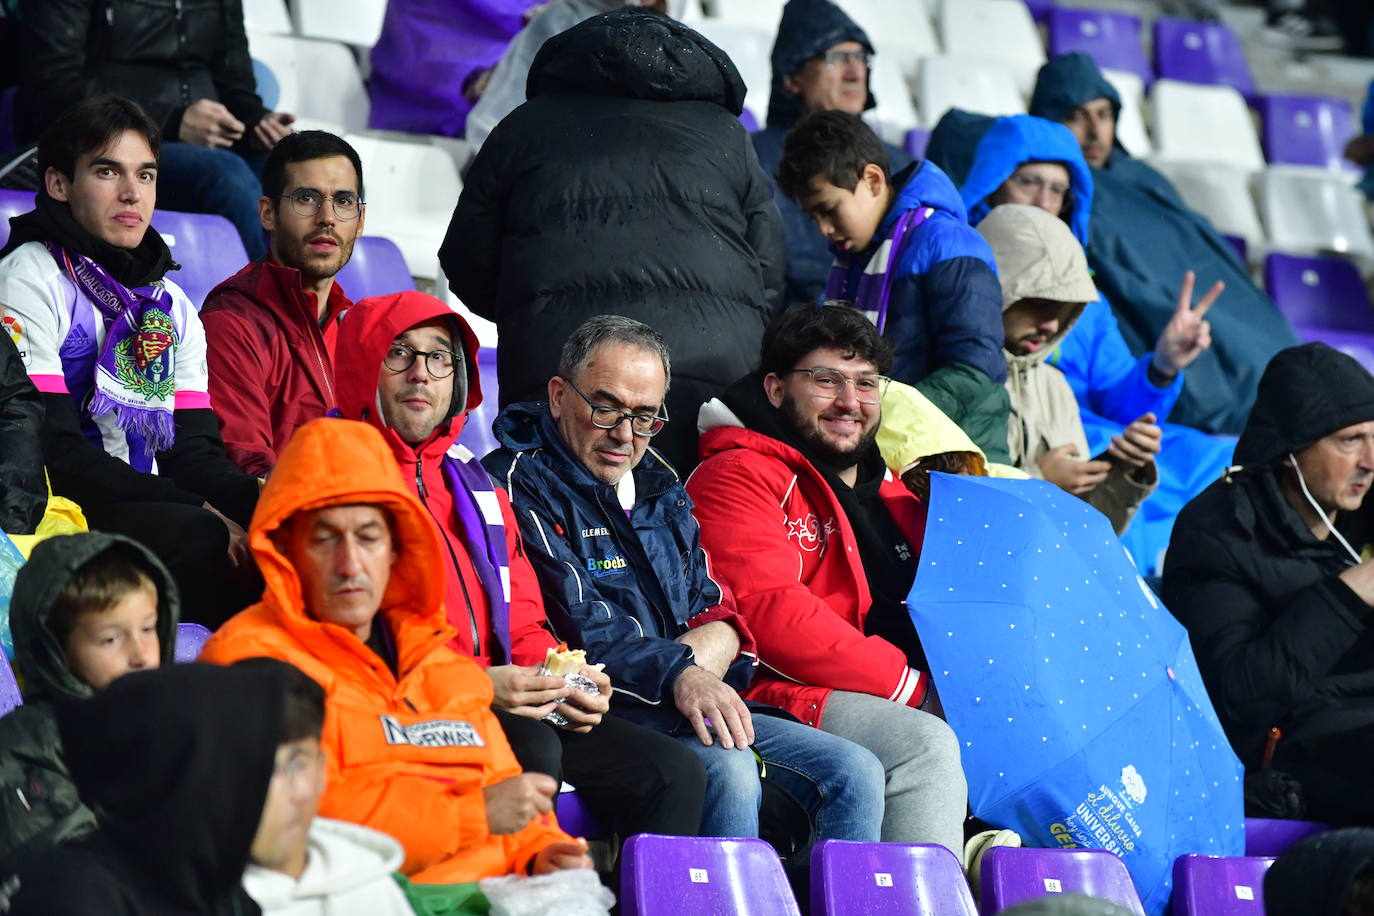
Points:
(624, 185)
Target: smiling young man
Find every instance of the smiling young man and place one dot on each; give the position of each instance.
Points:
(818, 542)
(118, 353)
(272, 326)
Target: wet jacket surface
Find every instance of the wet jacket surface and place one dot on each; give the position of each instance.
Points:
(624, 186)
(23, 489)
(406, 754)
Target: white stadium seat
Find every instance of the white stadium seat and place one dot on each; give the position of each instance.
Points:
(411, 189)
(1219, 191)
(318, 79)
(1130, 126)
(1204, 123)
(354, 22)
(1310, 210)
(895, 113)
(267, 16)
(999, 29)
(973, 84)
(749, 47)
(760, 14)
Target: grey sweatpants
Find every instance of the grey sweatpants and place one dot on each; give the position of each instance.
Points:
(927, 795)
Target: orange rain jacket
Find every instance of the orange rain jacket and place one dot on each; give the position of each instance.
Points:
(408, 756)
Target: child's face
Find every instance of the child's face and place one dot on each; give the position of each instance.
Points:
(113, 641)
(848, 219)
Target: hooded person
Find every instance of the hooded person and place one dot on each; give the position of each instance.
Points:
(805, 80)
(348, 555)
(1045, 285)
(178, 761)
(628, 776)
(32, 768)
(1266, 571)
(1332, 872)
(23, 488)
(1020, 159)
(625, 185)
(1145, 239)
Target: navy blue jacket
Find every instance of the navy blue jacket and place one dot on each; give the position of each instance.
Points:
(623, 588)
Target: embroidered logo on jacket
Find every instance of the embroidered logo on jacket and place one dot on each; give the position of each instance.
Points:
(438, 733)
(810, 534)
(605, 566)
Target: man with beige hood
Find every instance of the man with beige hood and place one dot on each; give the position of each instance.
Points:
(1045, 284)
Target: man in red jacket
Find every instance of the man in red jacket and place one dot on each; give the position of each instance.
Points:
(270, 328)
(822, 582)
(408, 366)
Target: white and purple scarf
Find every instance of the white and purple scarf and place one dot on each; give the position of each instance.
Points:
(483, 530)
(875, 283)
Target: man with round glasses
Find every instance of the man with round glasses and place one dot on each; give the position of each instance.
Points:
(272, 326)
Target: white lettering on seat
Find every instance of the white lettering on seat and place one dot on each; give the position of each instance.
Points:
(438, 733)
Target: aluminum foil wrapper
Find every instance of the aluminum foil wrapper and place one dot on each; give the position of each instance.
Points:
(581, 682)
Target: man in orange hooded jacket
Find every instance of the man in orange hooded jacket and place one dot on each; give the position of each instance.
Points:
(412, 748)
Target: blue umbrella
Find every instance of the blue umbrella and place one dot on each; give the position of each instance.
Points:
(1079, 707)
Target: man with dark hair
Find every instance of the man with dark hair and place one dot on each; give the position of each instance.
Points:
(610, 532)
(271, 327)
(118, 353)
(822, 567)
(187, 64)
(821, 60)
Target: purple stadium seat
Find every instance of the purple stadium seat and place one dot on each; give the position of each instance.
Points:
(888, 878)
(749, 121)
(917, 139)
(1219, 885)
(1352, 343)
(376, 268)
(476, 434)
(1319, 292)
(1110, 38)
(10, 697)
(576, 819)
(1306, 130)
(1039, 9)
(190, 639)
(1238, 245)
(1014, 873)
(1201, 52)
(1270, 837)
(690, 875)
(207, 247)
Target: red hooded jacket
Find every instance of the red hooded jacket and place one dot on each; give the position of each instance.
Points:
(364, 335)
(270, 361)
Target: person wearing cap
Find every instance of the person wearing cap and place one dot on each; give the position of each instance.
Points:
(1269, 571)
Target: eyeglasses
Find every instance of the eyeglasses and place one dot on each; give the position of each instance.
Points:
(308, 202)
(837, 58)
(298, 770)
(439, 363)
(828, 383)
(1037, 184)
(604, 417)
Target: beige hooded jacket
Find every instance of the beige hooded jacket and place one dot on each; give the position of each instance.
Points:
(1039, 258)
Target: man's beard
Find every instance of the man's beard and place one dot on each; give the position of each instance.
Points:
(819, 449)
(297, 253)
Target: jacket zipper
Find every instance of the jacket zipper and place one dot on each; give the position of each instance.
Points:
(457, 569)
(611, 525)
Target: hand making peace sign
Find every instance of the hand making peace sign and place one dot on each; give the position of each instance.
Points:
(1187, 334)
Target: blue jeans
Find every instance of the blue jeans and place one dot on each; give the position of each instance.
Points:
(839, 783)
(195, 179)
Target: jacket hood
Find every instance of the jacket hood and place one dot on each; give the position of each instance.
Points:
(636, 54)
(178, 761)
(922, 184)
(1306, 393)
(367, 330)
(1018, 139)
(1314, 876)
(40, 656)
(334, 462)
(1038, 258)
(954, 140)
(807, 28)
(342, 858)
(923, 430)
(1067, 81)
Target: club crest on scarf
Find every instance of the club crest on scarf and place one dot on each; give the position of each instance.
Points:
(143, 363)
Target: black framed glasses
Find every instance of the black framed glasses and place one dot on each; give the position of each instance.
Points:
(308, 202)
(827, 384)
(607, 417)
(439, 363)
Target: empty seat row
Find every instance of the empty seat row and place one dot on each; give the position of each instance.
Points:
(354, 22)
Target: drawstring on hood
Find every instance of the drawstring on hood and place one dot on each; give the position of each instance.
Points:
(1326, 519)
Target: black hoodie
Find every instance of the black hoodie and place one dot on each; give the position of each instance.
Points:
(1280, 639)
(178, 760)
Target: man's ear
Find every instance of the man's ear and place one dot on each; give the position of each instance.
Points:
(773, 387)
(556, 388)
(791, 85)
(58, 185)
(267, 213)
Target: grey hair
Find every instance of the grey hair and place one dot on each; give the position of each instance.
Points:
(602, 329)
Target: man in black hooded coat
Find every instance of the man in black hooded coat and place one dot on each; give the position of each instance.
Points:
(595, 198)
(178, 760)
(1265, 571)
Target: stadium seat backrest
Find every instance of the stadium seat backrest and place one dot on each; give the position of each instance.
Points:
(268, 16)
(999, 29)
(575, 817)
(896, 27)
(10, 697)
(1359, 346)
(12, 203)
(1011, 874)
(1270, 836)
(1306, 130)
(1110, 38)
(1306, 210)
(895, 879)
(315, 79)
(749, 47)
(759, 14)
(1201, 52)
(1219, 885)
(1319, 293)
(690, 875)
(1204, 123)
(191, 639)
(476, 433)
(915, 142)
(354, 22)
(1130, 123)
(1218, 191)
(980, 86)
(895, 113)
(207, 247)
(411, 191)
(376, 268)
